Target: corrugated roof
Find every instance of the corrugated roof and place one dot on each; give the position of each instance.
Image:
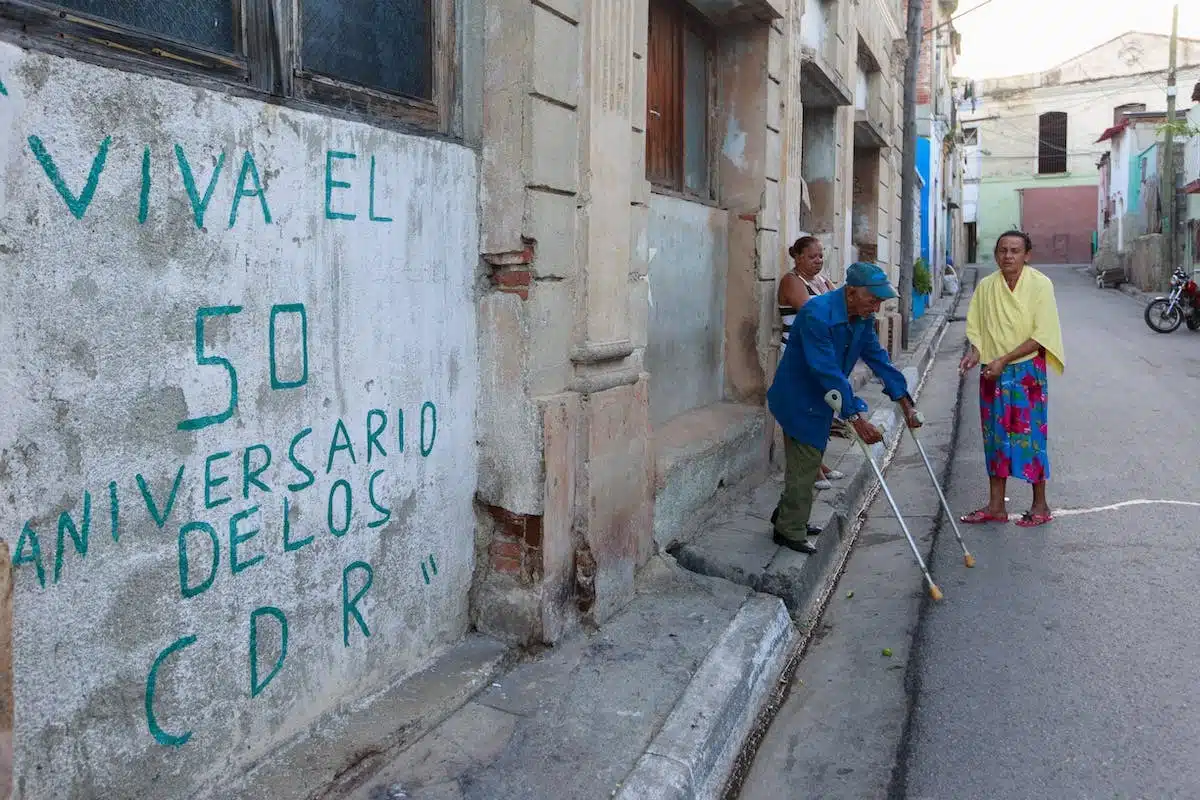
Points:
(1114, 130)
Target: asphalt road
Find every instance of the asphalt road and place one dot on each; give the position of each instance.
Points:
(1066, 664)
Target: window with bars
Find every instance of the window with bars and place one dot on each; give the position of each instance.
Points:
(1052, 143)
(678, 90)
(377, 57)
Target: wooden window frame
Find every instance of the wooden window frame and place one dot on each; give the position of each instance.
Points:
(266, 64)
(1047, 158)
(691, 21)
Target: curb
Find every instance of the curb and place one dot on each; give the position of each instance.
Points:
(1136, 293)
(693, 753)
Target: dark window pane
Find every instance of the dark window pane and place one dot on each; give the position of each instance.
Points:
(204, 23)
(1052, 143)
(381, 44)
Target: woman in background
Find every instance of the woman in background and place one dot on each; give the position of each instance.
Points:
(803, 282)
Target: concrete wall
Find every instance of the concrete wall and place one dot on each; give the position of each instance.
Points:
(689, 243)
(1146, 270)
(164, 517)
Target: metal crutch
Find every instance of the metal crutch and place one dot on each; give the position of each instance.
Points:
(968, 559)
(834, 399)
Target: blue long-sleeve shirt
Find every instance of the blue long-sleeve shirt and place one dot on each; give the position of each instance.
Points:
(823, 348)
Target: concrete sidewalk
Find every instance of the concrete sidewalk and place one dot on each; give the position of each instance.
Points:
(659, 702)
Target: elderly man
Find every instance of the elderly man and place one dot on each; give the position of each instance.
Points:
(831, 333)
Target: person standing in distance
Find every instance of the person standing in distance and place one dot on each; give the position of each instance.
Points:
(1013, 328)
(830, 334)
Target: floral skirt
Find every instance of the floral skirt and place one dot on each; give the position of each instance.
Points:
(1013, 411)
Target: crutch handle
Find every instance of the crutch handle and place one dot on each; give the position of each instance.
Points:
(833, 398)
(920, 416)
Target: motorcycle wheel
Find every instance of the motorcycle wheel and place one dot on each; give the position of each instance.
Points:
(1162, 320)
(1193, 321)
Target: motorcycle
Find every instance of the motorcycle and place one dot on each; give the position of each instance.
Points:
(1182, 304)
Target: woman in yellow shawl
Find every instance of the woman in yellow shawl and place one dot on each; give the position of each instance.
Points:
(1013, 328)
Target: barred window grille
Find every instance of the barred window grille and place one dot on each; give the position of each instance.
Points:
(1052, 143)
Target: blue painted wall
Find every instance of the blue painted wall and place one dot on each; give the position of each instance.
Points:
(923, 169)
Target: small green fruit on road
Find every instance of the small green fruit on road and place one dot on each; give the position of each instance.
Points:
(887, 652)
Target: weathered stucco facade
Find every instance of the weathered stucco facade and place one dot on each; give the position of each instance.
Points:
(297, 395)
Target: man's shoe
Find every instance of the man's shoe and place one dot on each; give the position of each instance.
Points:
(813, 530)
(800, 546)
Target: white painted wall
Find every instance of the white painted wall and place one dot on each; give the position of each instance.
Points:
(103, 280)
(970, 202)
(1191, 159)
(814, 26)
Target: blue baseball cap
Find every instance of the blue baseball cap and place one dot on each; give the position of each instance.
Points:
(870, 276)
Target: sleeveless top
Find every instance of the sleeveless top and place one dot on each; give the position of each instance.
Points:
(788, 314)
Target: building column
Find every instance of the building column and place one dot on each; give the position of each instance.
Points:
(564, 498)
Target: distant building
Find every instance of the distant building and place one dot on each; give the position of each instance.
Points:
(1033, 139)
(941, 175)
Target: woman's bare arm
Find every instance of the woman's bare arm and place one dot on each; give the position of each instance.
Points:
(792, 291)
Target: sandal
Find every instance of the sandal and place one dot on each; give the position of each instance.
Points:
(1031, 520)
(981, 516)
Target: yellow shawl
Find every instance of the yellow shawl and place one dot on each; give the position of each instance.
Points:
(999, 319)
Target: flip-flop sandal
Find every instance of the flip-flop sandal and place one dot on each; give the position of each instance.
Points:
(981, 516)
(1030, 520)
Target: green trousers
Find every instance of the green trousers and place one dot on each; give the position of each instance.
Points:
(801, 472)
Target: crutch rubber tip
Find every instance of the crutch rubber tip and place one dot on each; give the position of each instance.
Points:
(935, 592)
(969, 560)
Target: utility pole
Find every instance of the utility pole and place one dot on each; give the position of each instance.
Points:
(1171, 178)
(909, 166)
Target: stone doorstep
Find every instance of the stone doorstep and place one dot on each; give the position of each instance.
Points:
(737, 543)
(700, 455)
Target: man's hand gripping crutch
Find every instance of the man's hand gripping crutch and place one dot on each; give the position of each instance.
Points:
(866, 435)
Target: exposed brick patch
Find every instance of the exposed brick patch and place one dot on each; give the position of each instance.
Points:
(516, 545)
(585, 579)
(510, 270)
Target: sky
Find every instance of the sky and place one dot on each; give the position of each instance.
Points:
(1012, 37)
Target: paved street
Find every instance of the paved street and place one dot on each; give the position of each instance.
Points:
(1066, 665)
(1063, 665)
